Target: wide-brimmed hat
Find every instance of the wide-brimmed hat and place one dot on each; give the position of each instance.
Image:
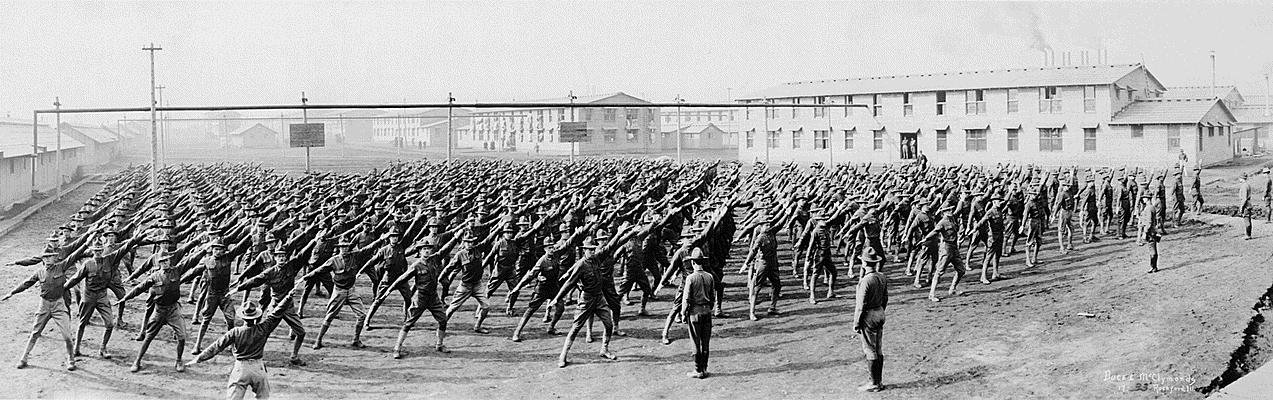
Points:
(696, 254)
(870, 255)
(249, 310)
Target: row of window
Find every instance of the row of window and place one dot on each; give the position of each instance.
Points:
(1050, 102)
(699, 116)
(975, 140)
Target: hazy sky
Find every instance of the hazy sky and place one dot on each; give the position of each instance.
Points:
(89, 53)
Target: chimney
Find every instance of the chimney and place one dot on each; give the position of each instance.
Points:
(1266, 94)
(1213, 74)
(1045, 57)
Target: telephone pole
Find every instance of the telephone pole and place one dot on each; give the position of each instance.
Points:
(305, 121)
(154, 128)
(679, 100)
(57, 103)
(163, 128)
(450, 99)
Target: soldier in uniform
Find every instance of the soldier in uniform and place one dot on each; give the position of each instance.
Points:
(52, 281)
(249, 348)
(868, 317)
(215, 269)
(278, 274)
(762, 266)
(1149, 233)
(1245, 208)
(698, 296)
(165, 295)
(593, 301)
(344, 273)
(424, 273)
(947, 231)
(547, 276)
(467, 264)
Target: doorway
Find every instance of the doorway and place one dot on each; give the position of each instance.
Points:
(909, 144)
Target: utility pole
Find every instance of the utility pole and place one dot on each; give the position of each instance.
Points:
(450, 99)
(679, 100)
(35, 147)
(154, 134)
(830, 134)
(766, 135)
(305, 120)
(163, 128)
(1213, 73)
(57, 103)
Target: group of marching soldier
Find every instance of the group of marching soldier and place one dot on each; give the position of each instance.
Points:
(441, 233)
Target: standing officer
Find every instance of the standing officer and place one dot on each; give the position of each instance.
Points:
(868, 316)
(249, 347)
(696, 308)
(1244, 198)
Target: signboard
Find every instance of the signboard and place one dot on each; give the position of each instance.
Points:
(573, 132)
(307, 135)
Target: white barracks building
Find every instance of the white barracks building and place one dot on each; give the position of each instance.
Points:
(1084, 115)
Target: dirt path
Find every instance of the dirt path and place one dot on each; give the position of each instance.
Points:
(1018, 338)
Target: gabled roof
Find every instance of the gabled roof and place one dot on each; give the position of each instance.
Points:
(94, 133)
(1168, 111)
(1201, 92)
(247, 128)
(697, 127)
(988, 79)
(15, 139)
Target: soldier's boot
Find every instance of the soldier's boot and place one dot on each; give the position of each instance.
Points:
(481, 317)
(22, 362)
(357, 343)
(106, 339)
(322, 331)
(605, 350)
(397, 347)
(198, 340)
(181, 349)
(439, 347)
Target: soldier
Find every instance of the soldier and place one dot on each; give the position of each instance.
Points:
(992, 223)
(593, 301)
(249, 347)
(278, 274)
(1245, 208)
(762, 266)
(344, 273)
(1063, 213)
(1268, 196)
(947, 232)
(818, 256)
(99, 276)
(468, 266)
(215, 269)
(52, 281)
(1149, 233)
(1196, 186)
(165, 295)
(503, 257)
(547, 276)
(868, 316)
(425, 273)
(698, 296)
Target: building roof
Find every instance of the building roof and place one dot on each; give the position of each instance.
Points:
(247, 128)
(604, 98)
(697, 127)
(1252, 114)
(1200, 92)
(15, 139)
(1167, 111)
(95, 133)
(988, 79)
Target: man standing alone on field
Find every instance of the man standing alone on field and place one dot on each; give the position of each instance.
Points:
(868, 316)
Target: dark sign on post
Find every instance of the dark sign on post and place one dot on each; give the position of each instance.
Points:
(573, 132)
(307, 135)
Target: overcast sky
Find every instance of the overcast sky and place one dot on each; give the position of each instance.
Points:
(89, 53)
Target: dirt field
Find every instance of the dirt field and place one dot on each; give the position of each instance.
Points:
(1018, 338)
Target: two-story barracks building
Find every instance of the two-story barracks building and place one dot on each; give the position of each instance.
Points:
(1071, 115)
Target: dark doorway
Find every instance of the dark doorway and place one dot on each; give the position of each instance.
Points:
(909, 145)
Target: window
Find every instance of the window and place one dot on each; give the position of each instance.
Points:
(820, 112)
(879, 139)
(611, 114)
(795, 111)
(1049, 100)
(1089, 99)
(908, 109)
(631, 114)
(1014, 139)
(875, 105)
(796, 136)
(587, 114)
(770, 113)
(1138, 131)
(848, 99)
(747, 113)
(941, 140)
(848, 138)
(1173, 137)
(632, 135)
(1089, 139)
(821, 140)
(976, 140)
(1050, 139)
(610, 135)
(773, 139)
(975, 102)
(1013, 103)
(1211, 131)
(751, 138)
(941, 103)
